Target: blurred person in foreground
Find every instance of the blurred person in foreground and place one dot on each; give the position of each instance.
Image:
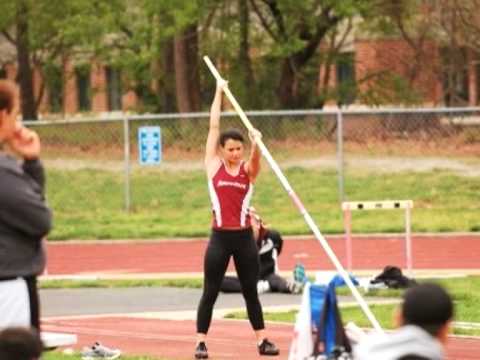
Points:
(25, 219)
(424, 322)
(19, 343)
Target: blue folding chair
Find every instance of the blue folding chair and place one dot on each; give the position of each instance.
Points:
(331, 338)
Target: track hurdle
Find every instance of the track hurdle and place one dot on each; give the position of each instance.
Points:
(349, 206)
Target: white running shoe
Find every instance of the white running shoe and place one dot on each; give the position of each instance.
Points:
(98, 351)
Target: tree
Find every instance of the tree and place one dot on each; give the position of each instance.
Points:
(243, 66)
(411, 78)
(186, 69)
(442, 36)
(15, 28)
(158, 42)
(297, 29)
(411, 20)
(25, 74)
(458, 24)
(44, 32)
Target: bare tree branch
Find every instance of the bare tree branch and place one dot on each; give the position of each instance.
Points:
(278, 16)
(324, 23)
(264, 21)
(209, 20)
(347, 32)
(9, 37)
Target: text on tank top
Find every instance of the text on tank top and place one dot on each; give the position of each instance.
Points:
(230, 196)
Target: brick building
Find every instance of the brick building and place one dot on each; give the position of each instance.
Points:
(92, 87)
(73, 87)
(422, 71)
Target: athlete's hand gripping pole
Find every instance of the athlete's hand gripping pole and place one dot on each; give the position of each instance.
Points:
(296, 200)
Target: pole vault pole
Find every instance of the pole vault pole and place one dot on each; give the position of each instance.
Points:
(296, 200)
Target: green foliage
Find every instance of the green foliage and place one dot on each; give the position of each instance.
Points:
(54, 82)
(132, 36)
(390, 88)
(195, 283)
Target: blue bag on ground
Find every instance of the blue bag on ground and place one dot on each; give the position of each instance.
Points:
(331, 339)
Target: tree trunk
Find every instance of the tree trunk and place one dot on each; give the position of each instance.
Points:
(25, 73)
(193, 73)
(167, 88)
(186, 70)
(286, 87)
(244, 62)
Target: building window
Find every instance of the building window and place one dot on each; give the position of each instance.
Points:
(114, 88)
(346, 82)
(82, 75)
(455, 76)
(54, 84)
(455, 86)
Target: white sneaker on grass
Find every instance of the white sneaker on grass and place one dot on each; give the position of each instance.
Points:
(98, 351)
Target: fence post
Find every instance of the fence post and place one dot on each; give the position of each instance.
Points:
(341, 193)
(126, 160)
(408, 239)
(347, 224)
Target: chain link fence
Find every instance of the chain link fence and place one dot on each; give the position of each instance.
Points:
(356, 148)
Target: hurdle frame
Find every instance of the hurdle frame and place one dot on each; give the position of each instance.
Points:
(349, 206)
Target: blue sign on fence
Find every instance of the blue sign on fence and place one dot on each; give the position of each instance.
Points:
(149, 145)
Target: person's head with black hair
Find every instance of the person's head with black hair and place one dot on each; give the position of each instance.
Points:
(18, 343)
(429, 307)
(424, 320)
(230, 134)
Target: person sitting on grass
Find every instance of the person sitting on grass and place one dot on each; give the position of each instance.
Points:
(269, 244)
(424, 320)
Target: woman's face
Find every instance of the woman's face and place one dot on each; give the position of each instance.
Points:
(233, 151)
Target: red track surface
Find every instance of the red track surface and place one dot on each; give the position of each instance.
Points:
(175, 339)
(234, 339)
(429, 252)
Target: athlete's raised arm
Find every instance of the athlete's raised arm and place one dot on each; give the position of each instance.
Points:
(211, 155)
(253, 163)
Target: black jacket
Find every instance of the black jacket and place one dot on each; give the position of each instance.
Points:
(270, 246)
(24, 217)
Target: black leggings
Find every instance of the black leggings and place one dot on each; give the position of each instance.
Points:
(224, 244)
(34, 301)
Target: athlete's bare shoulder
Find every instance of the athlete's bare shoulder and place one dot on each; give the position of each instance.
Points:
(212, 166)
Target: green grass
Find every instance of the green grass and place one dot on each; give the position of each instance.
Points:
(465, 292)
(56, 355)
(196, 283)
(88, 204)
